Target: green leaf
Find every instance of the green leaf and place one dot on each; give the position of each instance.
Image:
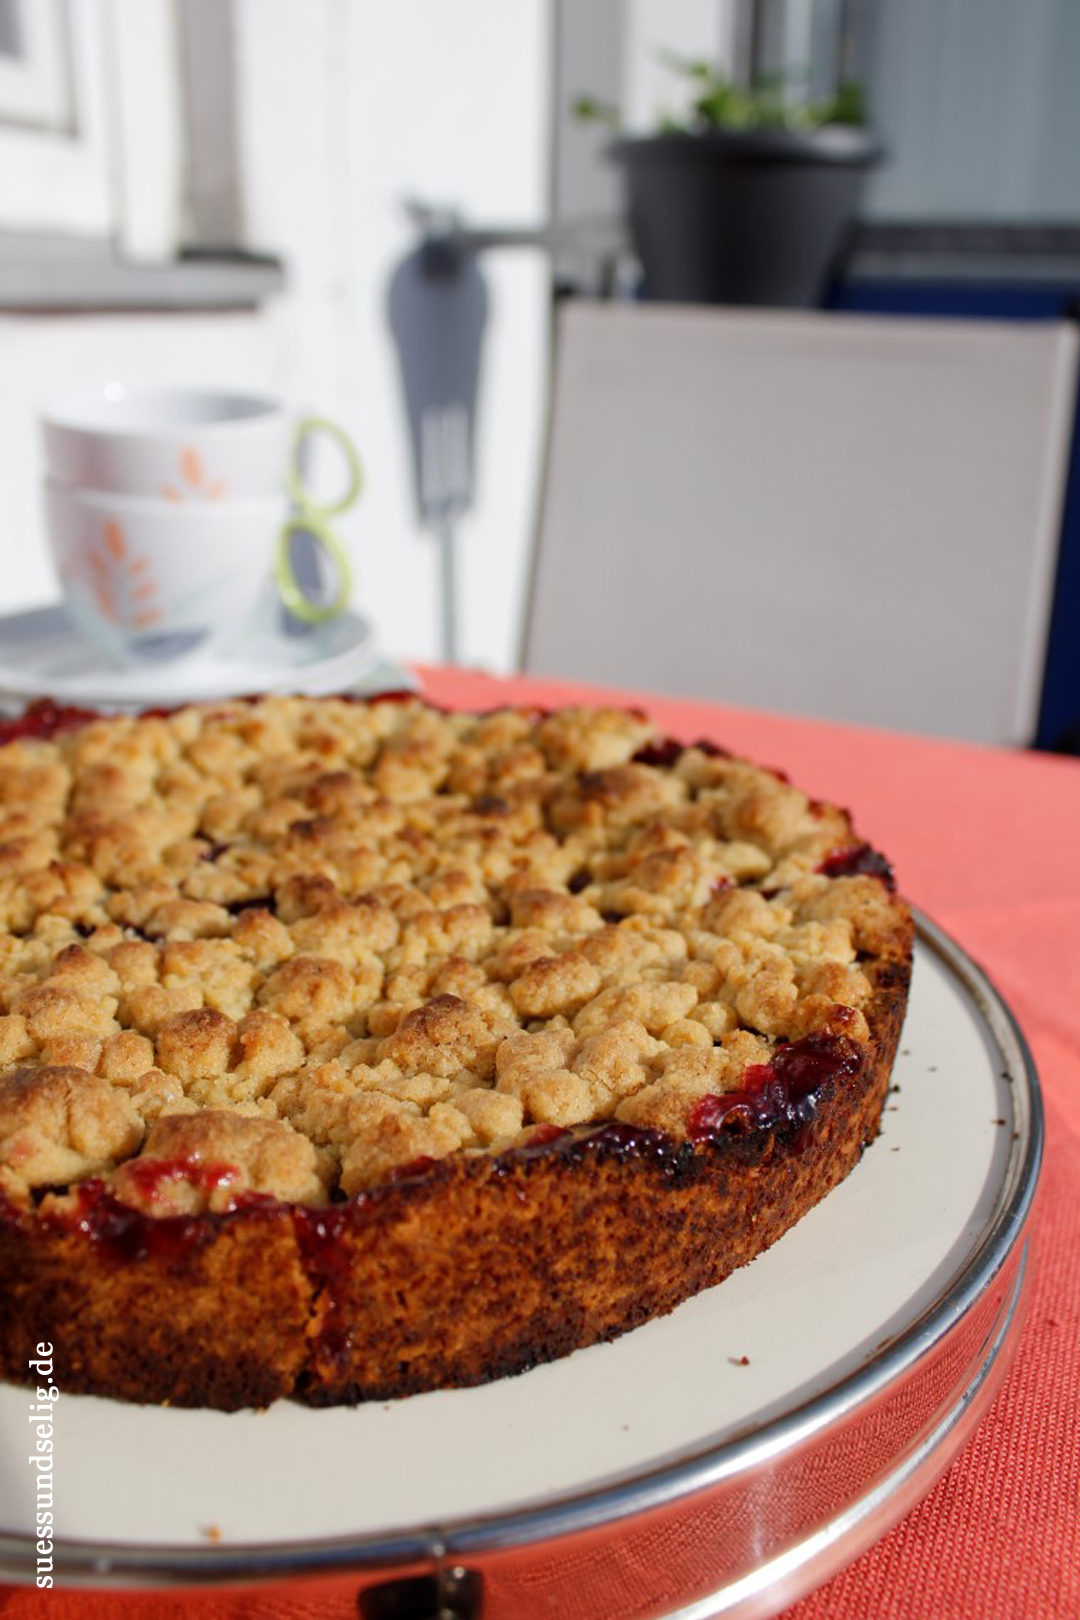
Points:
(848, 106)
(587, 110)
(690, 67)
(775, 102)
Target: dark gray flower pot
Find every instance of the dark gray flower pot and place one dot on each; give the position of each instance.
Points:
(743, 217)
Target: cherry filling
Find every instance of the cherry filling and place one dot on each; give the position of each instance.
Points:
(623, 1141)
(414, 1169)
(856, 860)
(662, 753)
(328, 1264)
(129, 1234)
(785, 1090)
(395, 694)
(666, 751)
(543, 1139)
(150, 1177)
(257, 902)
(126, 1233)
(615, 1139)
(44, 719)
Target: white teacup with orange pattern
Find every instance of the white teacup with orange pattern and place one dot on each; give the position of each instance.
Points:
(170, 508)
(151, 580)
(178, 444)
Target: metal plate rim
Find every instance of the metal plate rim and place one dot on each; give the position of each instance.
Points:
(799, 1569)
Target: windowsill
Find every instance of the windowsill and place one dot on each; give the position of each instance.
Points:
(966, 251)
(60, 274)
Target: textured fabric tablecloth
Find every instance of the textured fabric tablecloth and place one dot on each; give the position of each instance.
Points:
(987, 842)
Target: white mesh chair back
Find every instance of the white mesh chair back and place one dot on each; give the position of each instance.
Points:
(837, 515)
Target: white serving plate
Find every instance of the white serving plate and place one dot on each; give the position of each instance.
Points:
(874, 1334)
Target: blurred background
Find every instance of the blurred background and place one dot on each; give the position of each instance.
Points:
(383, 213)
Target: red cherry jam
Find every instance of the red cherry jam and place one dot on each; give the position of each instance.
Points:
(414, 1169)
(393, 694)
(662, 753)
(614, 1139)
(128, 1234)
(543, 1139)
(45, 719)
(328, 1264)
(666, 751)
(150, 1177)
(855, 860)
(620, 1140)
(783, 1091)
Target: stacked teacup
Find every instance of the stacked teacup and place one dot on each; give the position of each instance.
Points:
(168, 512)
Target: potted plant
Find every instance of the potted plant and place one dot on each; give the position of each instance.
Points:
(748, 200)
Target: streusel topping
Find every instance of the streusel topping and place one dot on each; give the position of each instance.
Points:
(304, 942)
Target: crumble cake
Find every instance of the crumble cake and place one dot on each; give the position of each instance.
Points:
(351, 1049)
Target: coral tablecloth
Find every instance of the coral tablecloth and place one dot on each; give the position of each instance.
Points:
(988, 843)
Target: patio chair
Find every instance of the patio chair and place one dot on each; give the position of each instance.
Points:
(851, 517)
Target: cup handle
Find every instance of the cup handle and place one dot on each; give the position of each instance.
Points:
(289, 588)
(301, 495)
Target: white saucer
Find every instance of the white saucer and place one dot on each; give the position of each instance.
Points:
(42, 656)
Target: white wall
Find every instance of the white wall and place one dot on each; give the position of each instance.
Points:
(347, 109)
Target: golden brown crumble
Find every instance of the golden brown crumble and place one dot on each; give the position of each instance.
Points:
(315, 940)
